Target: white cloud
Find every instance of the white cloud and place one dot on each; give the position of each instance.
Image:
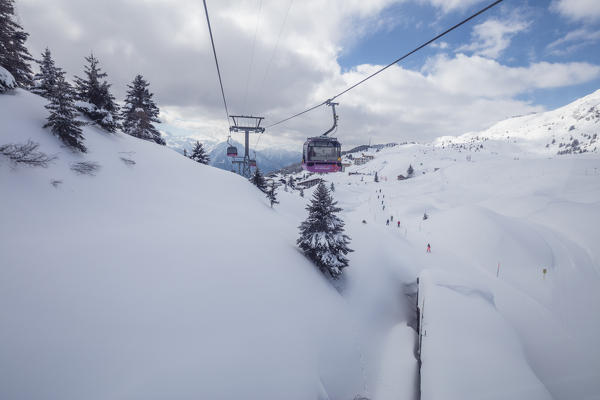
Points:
(492, 37)
(451, 5)
(574, 40)
(482, 77)
(448, 97)
(169, 45)
(587, 10)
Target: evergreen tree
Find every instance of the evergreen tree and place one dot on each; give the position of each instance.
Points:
(98, 103)
(140, 112)
(301, 192)
(62, 120)
(376, 177)
(332, 187)
(292, 182)
(14, 56)
(45, 80)
(410, 171)
(272, 194)
(258, 180)
(322, 235)
(185, 153)
(199, 154)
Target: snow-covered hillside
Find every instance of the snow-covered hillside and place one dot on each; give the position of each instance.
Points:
(574, 128)
(156, 277)
(161, 278)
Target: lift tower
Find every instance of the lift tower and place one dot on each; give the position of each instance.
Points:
(246, 124)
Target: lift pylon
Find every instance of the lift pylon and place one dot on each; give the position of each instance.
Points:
(247, 124)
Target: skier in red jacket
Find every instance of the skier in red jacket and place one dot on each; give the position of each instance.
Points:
(428, 248)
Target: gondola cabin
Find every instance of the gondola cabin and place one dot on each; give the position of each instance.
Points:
(322, 154)
(232, 151)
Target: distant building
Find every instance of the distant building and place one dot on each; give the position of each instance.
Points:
(309, 183)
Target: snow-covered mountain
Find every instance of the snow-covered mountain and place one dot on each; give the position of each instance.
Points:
(181, 142)
(268, 159)
(574, 128)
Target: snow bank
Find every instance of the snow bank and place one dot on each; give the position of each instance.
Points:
(467, 348)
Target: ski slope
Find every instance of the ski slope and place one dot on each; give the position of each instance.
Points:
(495, 325)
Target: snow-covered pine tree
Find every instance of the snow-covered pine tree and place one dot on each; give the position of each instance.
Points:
(292, 182)
(410, 171)
(322, 235)
(332, 187)
(185, 154)
(45, 80)
(272, 194)
(140, 112)
(14, 56)
(62, 120)
(199, 154)
(258, 180)
(95, 100)
(7, 82)
(301, 192)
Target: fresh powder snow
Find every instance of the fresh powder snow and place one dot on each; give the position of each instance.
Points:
(156, 277)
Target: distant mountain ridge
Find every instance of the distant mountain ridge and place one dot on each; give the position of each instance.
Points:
(571, 129)
(268, 159)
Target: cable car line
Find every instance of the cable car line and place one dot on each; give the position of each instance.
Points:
(216, 62)
(464, 21)
(252, 53)
(277, 43)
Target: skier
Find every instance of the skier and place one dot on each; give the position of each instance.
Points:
(398, 224)
(387, 222)
(428, 248)
(392, 218)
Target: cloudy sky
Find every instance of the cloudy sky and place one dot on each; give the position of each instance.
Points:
(278, 57)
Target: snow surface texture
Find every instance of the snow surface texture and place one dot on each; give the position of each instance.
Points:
(159, 279)
(7, 82)
(162, 278)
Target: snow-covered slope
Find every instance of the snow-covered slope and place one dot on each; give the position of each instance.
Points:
(522, 334)
(574, 128)
(168, 279)
(156, 278)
